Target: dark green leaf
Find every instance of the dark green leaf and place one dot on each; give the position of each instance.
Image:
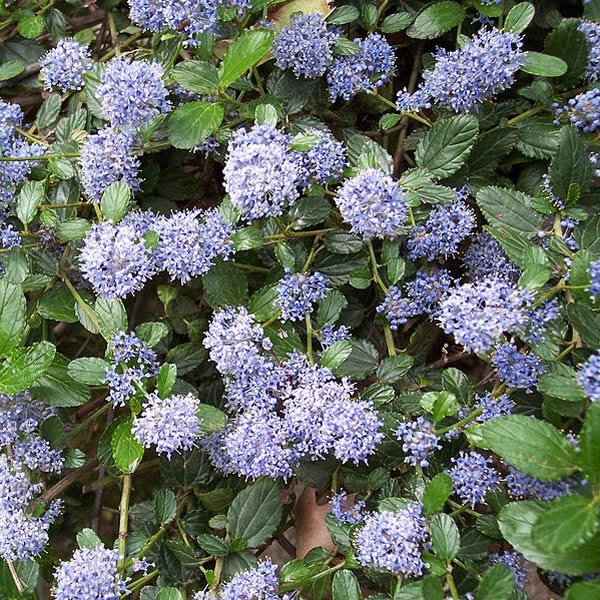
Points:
(568, 43)
(49, 111)
(25, 366)
(457, 383)
(193, 122)
(345, 586)
(165, 506)
(213, 545)
(361, 362)
(437, 491)
(446, 146)
(544, 65)
(571, 164)
(197, 76)
(57, 304)
(12, 316)
(497, 583)
(151, 332)
(589, 448)
(186, 357)
(262, 303)
(73, 229)
(30, 197)
(341, 242)
(561, 386)
(537, 139)
(392, 369)
(445, 537)
(586, 322)
(396, 22)
(343, 15)
(211, 418)
(255, 513)
(435, 19)
(244, 53)
(57, 387)
(225, 285)
(308, 211)
(11, 69)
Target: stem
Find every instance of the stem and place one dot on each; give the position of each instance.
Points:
(460, 423)
(528, 113)
(309, 343)
(15, 576)
(88, 421)
(389, 340)
(375, 267)
(134, 585)
(65, 482)
(452, 586)
(278, 237)
(124, 521)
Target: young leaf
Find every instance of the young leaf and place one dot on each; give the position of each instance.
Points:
(445, 537)
(25, 366)
(244, 53)
(115, 201)
(197, 76)
(436, 493)
(12, 316)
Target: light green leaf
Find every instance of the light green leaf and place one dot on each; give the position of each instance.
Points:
(90, 370)
(544, 65)
(589, 448)
(115, 201)
(11, 69)
(30, 197)
(244, 53)
(345, 586)
(25, 366)
(126, 450)
(519, 17)
(197, 76)
(12, 316)
(435, 19)
(445, 537)
(497, 583)
(165, 506)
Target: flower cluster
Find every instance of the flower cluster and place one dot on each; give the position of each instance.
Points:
(583, 111)
(298, 292)
(525, 487)
(373, 204)
(591, 31)
(515, 561)
(394, 541)
(63, 67)
(419, 441)
(446, 226)
(464, 78)
(588, 377)
(518, 370)
(170, 424)
(485, 258)
(368, 69)
(323, 161)
(305, 46)
(473, 476)
(490, 407)
(132, 362)
(91, 573)
(346, 510)
(133, 93)
(594, 272)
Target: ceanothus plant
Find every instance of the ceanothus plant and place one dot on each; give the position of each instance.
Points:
(299, 301)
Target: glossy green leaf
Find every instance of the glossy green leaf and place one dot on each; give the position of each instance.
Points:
(244, 53)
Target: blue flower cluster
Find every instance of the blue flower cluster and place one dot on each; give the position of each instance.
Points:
(305, 46)
(133, 93)
(525, 487)
(119, 259)
(62, 68)
(91, 573)
(486, 258)
(368, 69)
(419, 441)
(583, 111)
(261, 174)
(347, 510)
(373, 204)
(170, 424)
(423, 295)
(446, 226)
(518, 370)
(491, 408)
(594, 272)
(538, 320)
(394, 541)
(588, 377)
(473, 476)
(132, 362)
(515, 561)
(281, 411)
(461, 79)
(591, 31)
(106, 157)
(477, 314)
(298, 292)
(330, 334)
(322, 162)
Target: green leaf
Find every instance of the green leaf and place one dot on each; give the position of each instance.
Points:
(537, 138)
(30, 26)
(212, 419)
(169, 593)
(437, 491)
(115, 201)
(90, 370)
(586, 322)
(307, 212)
(30, 197)
(165, 380)
(193, 122)
(516, 521)
(25, 366)
(12, 316)
(571, 164)
(569, 44)
(165, 506)
(11, 69)
(561, 386)
(436, 19)
(225, 285)
(330, 308)
(255, 512)
(262, 303)
(87, 538)
(497, 583)
(361, 362)
(345, 586)
(584, 590)
(151, 332)
(445, 537)
(446, 146)
(341, 242)
(197, 76)
(343, 15)
(396, 22)
(213, 545)
(532, 446)
(457, 383)
(519, 17)
(589, 448)
(345, 47)
(111, 315)
(126, 450)
(73, 229)
(28, 573)
(244, 53)
(57, 304)
(58, 388)
(392, 369)
(504, 207)
(49, 111)
(544, 65)
(566, 524)
(336, 354)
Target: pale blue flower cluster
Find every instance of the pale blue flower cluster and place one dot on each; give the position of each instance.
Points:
(373, 204)
(594, 272)
(491, 408)
(62, 68)
(346, 510)
(330, 334)
(133, 93)
(517, 369)
(11, 117)
(132, 362)
(588, 377)
(486, 258)
(323, 162)
(261, 174)
(368, 69)
(394, 541)
(473, 476)
(298, 293)
(91, 573)
(169, 424)
(515, 561)
(464, 78)
(477, 314)
(423, 295)
(591, 31)
(106, 157)
(583, 111)
(446, 226)
(305, 46)
(525, 487)
(538, 320)
(419, 441)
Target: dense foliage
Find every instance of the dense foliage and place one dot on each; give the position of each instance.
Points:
(299, 301)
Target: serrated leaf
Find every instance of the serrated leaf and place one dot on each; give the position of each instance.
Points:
(244, 53)
(445, 537)
(571, 164)
(58, 388)
(30, 197)
(537, 139)
(336, 354)
(586, 322)
(435, 19)
(193, 122)
(569, 44)
(165, 506)
(437, 491)
(49, 111)
(197, 76)
(496, 584)
(211, 418)
(30, 26)
(165, 380)
(24, 366)
(11, 69)
(396, 22)
(343, 15)
(90, 370)
(111, 315)
(345, 586)
(393, 368)
(589, 448)
(115, 201)
(446, 146)
(87, 538)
